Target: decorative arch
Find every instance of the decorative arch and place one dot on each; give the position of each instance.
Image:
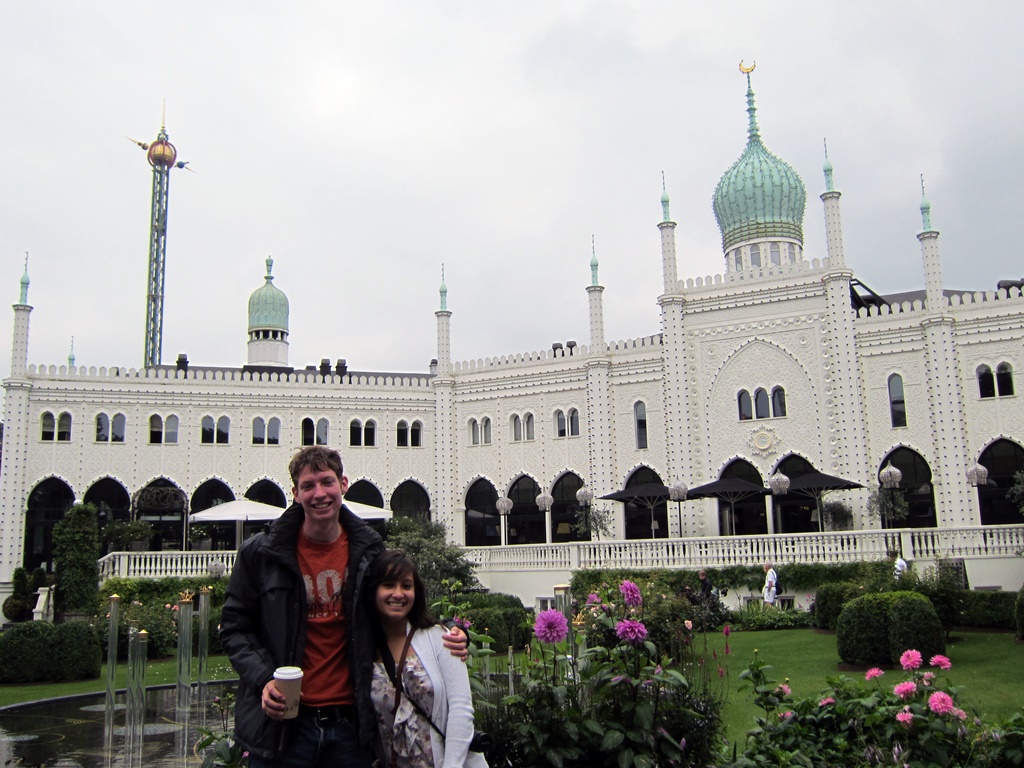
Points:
(794, 513)
(1002, 458)
(210, 494)
(163, 505)
(410, 499)
(47, 503)
(483, 523)
(565, 510)
(641, 522)
(266, 491)
(365, 492)
(111, 499)
(745, 517)
(526, 524)
(915, 485)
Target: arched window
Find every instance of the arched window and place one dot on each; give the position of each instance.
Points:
(755, 256)
(410, 500)
(416, 434)
(986, 382)
(355, 432)
(746, 408)
(776, 254)
(645, 519)
(897, 403)
(308, 433)
(517, 428)
(171, 430)
(156, 429)
(528, 426)
(744, 515)
(483, 523)
(207, 430)
(485, 430)
(322, 431)
(402, 435)
(574, 423)
(274, 431)
(737, 260)
(1004, 379)
(370, 434)
(526, 521)
(778, 402)
(795, 512)
(259, 431)
(792, 253)
(640, 423)
(760, 403)
(474, 432)
(1003, 460)
(223, 430)
(64, 427)
(102, 428)
(559, 424)
(566, 520)
(916, 487)
(118, 427)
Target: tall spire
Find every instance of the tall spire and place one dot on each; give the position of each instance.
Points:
(71, 354)
(752, 132)
(664, 200)
(593, 260)
(444, 292)
(827, 168)
(24, 283)
(926, 209)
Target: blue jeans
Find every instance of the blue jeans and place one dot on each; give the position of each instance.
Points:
(318, 744)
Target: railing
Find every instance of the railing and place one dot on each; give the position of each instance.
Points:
(710, 552)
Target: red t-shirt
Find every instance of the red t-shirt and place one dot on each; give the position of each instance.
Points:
(326, 675)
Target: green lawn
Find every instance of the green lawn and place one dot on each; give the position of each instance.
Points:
(987, 667)
(160, 672)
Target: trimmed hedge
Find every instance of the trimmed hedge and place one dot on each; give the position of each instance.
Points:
(878, 628)
(987, 610)
(1019, 614)
(830, 600)
(500, 616)
(36, 651)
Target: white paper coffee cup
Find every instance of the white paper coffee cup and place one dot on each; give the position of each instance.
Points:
(289, 683)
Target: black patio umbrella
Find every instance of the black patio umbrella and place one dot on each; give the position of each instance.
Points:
(814, 485)
(731, 489)
(646, 495)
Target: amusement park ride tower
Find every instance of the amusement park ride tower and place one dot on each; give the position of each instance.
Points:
(162, 156)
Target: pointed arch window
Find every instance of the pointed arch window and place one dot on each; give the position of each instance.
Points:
(223, 430)
(474, 432)
(416, 435)
(746, 407)
(517, 428)
(47, 427)
(402, 435)
(528, 426)
(259, 431)
(308, 431)
(574, 423)
(355, 432)
(559, 424)
(986, 382)
(485, 430)
(102, 428)
(370, 434)
(274, 431)
(64, 427)
(171, 430)
(207, 430)
(156, 429)
(1004, 379)
(761, 403)
(897, 401)
(118, 427)
(640, 423)
(778, 402)
(323, 428)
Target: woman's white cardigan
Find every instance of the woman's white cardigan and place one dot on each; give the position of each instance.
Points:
(453, 702)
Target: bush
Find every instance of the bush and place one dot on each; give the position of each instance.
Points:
(877, 628)
(160, 591)
(76, 547)
(755, 615)
(18, 606)
(943, 587)
(830, 600)
(987, 610)
(913, 623)
(36, 651)
(1019, 614)
(75, 651)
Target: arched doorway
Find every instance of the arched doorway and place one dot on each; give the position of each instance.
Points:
(47, 504)
(644, 522)
(210, 494)
(111, 500)
(163, 505)
(791, 512)
(526, 523)
(565, 510)
(483, 523)
(410, 499)
(1003, 459)
(748, 516)
(265, 492)
(916, 487)
(365, 492)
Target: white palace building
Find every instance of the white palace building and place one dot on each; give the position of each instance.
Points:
(784, 363)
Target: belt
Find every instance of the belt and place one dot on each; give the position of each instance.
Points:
(332, 713)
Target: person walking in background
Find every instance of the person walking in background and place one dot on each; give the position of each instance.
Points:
(899, 565)
(706, 587)
(771, 581)
(420, 693)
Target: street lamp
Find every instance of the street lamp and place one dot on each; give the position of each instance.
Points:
(890, 477)
(779, 484)
(544, 501)
(585, 497)
(977, 475)
(504, 505)
(677, 492)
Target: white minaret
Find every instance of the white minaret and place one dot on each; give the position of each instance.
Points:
(669, 271)
(599, 424)
(833, 219)
(444, 496)
(17, 427)
(934, 300)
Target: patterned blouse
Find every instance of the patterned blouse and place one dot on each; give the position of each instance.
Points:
(405, 733)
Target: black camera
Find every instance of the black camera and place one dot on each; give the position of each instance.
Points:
(481, 742)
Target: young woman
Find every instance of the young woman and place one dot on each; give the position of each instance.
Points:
(416, 680)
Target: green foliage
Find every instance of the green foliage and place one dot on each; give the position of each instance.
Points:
(18, 606)
(830, 599)
(941, 585)
(160, 591)
(755, 615)
(913, 623)
(76, 548)
(436, 560)
(889, 506)
(37, 651)
(499, 616)
(837, 516)
(987, 610)
(119, 534)
(1018, 613)
(1016, 492)
(877, 628)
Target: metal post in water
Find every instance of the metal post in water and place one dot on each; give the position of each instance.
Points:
(109, 701)
(204, 650)
(511, 669)
(139, 717)
(183, 699)
(129, 694)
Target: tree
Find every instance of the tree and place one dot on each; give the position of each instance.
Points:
(888, 505)
(1016, 492)
(436, 560)
(76, 548)
(836, 516)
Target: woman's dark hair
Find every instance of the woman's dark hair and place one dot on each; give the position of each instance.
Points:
(395, 565)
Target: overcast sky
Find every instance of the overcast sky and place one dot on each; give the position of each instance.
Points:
(363, 145)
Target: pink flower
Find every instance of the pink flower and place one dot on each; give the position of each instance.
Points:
(592, 599)
(726, 630)
(631, 594)
(872, 673)
(783, 689)
(551, 626)
(688, 624)
(905, 690)
(940, 661)
(784, 715)
(905, 717)
(826, 701)
(721, 671)
(960, 713)
(910, 659)
(940, 703)
(631, 631)
(928, 677)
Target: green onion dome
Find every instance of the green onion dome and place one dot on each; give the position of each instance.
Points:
(268, 305)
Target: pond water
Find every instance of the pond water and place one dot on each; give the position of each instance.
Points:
(69, 732)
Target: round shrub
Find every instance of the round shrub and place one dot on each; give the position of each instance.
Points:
(18, 607)
(914, 623)
(75, 651)
(1019, 614)
(862, 630)
(24, 653)
(830, 600)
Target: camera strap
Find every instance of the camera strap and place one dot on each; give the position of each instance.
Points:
(395, 673)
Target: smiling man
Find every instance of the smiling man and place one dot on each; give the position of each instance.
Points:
(292, 600)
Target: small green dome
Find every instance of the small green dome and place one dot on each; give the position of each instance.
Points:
(268, 306)
(760, 195)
